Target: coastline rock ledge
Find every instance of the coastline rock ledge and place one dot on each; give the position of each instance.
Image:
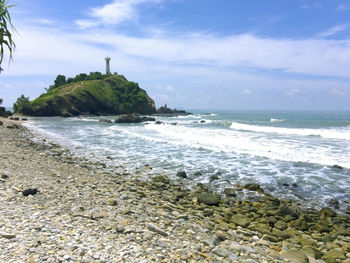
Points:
(108, 96)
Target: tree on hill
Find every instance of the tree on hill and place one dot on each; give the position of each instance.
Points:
(6, 28)
(22, 105)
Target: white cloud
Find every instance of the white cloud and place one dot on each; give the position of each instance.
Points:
(292, 92)
(113, 13)
(338, 93)
(334, 30)
(246, 92)
(161, 97)
(165, 87)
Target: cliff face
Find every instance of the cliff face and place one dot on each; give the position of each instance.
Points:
(112, 95)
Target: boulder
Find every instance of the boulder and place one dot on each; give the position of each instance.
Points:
(333, 255)
(133, 118)
(334, 202)
(285, 210)
(230, 192)
(208, 199)
(295, 256)
(240, 220)
(213, 178)
(253, 187)
(1, 123)
(327, 212)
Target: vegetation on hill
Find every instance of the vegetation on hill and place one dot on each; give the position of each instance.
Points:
(93, 94)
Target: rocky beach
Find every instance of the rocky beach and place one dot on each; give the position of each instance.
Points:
(58, 207)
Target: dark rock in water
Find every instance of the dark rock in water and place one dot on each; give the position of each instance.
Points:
(2, 109)
(30, 191)
(24, 119)
(337, 167)
(173, 123)
(213, 178)
(181, 174)
(294, 184)
(106, 121)
(334, 203)
(165, 111)
(133, 118)
(195, 121)
(4, 176)
(14, 118)
(230, 192)
(197, 174)
(327, 212)
(1, 123)
(285, 185)
(253, 187)
(208, 199)
(202, 121)
(158, 122)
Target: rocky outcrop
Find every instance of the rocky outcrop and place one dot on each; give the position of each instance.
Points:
(133, 118)
(167, 112)
(5, 113)
(110, 96)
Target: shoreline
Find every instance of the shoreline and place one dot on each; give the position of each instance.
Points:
(85, 213)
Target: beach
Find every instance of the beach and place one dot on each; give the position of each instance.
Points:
(87, 211)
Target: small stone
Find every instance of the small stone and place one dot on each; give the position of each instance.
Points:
(4, 176)
(7, 236)
(157, 230)
(30, 191)
(221, 252)
(208, 212)
(230, 192)
(112, 202)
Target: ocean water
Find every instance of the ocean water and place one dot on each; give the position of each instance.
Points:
(290, 154)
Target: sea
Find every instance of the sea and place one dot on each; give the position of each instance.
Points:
(302, 155)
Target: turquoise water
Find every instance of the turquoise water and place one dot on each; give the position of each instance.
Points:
(275, 149)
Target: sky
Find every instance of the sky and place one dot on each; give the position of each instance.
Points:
(190, 54)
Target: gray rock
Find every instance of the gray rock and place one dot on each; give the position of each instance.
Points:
(7, 236)
(157, 230)
(221, 252)
(208, 199)
(230, 192)
(295, 256)
(240, 220)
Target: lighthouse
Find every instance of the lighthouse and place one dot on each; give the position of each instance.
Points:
(108, 69)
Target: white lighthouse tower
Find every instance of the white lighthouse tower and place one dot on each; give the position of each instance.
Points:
(108, 69)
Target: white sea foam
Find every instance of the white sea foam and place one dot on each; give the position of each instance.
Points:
(339, 134)
(272, 120)
(231, 141)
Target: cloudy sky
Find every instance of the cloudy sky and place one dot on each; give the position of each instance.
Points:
(192, 54)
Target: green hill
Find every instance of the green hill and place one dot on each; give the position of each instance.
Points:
(110, 95)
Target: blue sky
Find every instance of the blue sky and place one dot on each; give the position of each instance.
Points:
(192, 54)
